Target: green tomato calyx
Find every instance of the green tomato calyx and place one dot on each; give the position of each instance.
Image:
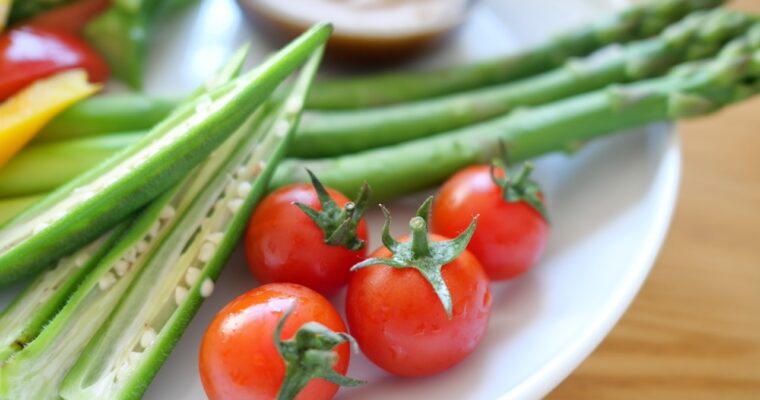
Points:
(519, 187)
(422, 254)
(338, 224)
(308, 355)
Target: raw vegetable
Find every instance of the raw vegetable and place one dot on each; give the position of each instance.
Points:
(97, 200)
(512, 229)
(695, 89)
(28, 54)
(24, 9)
(64, 336)
(181, 269)
(421, 305)
(9, 208)
(308, 235)
(700, 35)
(70, 17)
(245, 363)
(121, 34)
(634, 23)
(108, 113)
(56, 162)
(25, 113)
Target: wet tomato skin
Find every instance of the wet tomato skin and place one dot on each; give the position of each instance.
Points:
(238, 358)
(401, 325)
(283, 244)
(510, 238)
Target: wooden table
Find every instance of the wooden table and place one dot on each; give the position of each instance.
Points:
(694, 330)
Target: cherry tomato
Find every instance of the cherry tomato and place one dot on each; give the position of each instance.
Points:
(238, 357)
(511, 236)
(400, 323)
(30, 53)
(283, 244)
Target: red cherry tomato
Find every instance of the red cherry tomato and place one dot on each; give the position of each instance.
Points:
(283, 244)
(510, 237)
(238, 358)
(30, 53)
(400, 323)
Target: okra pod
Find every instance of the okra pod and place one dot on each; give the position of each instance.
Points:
(99, 199)
(637, 22)
(128, 349)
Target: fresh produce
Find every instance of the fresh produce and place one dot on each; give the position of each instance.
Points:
(700, 35)
(25, 113)
(512, 228)
(691, 90)
(637, 22)
(107, 114)
(56, 162)
(97, 200)
(9, 208)
(24, 9)
(180, 270)
(419, 306)
(71, 17)
(122, 32)
(68, 331)
(245, 362)
(310, 235)
(31, 53)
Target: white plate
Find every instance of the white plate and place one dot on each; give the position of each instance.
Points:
(610, 204)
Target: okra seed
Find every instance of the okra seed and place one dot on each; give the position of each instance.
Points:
(192, 275)
(81, 260)
(229, 190)
(153, 232)
(180, 295)
(142, 246)
(106, 281)
(131, 255)
(242, 173)
(206, 252)
(244, 188)
(147, 338)
(215, 238)
(121, 267)
(122, 374)
(234, 205)
(207, 288)
(134, 357)
(167, 213)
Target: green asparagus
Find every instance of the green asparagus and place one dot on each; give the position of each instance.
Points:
(689, 90)
(701, 35)
(634, 23)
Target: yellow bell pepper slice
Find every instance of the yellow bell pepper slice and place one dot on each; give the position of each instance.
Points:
(24, 114)
(5, 9)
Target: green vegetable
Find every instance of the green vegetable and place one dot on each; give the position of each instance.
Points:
(128, 349)
(701, 35)
(112, 113)
(91, 204)
(23, 9)
(690, 90)
(10, 208)
(43, 167)
(63, 337)
(634, 23)
(121, 35)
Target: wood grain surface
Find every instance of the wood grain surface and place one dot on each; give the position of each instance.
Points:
(694, 330)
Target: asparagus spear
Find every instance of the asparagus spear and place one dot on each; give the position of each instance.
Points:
(691, 90)
(634, 23)
(96, 201)
(700, 35)
(112, 113)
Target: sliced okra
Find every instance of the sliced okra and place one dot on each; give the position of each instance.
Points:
(127, 351)
(100, 199)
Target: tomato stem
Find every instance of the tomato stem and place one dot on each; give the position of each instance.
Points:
(338, 224)
(422, 254)
(308, 355)
(521, 187)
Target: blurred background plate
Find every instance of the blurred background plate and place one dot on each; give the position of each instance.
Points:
(610, 204)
